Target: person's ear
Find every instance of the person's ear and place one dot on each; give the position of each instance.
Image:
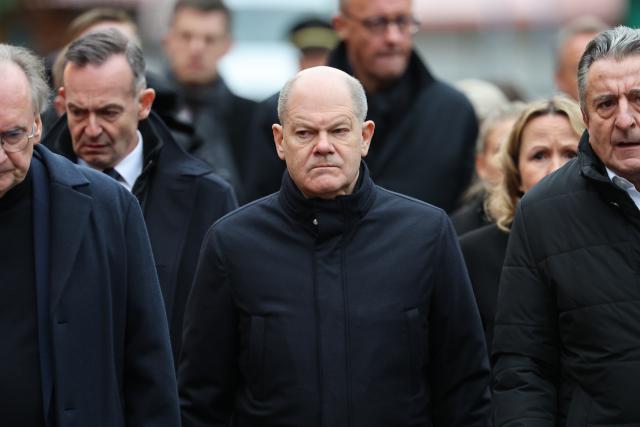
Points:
(145, 101)
(368, 128)
(37, 134)
(278, 139)
(59, 102)
(341, 26)
(585, 117)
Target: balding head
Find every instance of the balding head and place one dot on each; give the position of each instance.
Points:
(324, 77)
(323, 134)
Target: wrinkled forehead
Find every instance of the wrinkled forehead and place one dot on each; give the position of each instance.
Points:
(14, 86)
(615, 76)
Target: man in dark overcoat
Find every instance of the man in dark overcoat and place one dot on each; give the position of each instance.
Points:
(85, 340)
(333, 302)
(109, 127)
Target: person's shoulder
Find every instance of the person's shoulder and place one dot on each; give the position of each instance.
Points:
(483, 236)
(555, 186)
(101, 188)
(398, 203)
(249, 215)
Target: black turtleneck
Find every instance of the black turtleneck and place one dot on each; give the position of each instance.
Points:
(20, 386)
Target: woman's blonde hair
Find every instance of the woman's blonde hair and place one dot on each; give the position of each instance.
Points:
(503, 198)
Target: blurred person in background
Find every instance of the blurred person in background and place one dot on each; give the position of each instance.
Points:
(566, 349)
(314, 39)
(199, 35)
(571, 42)
(426, 130)
(494, 131)
(84, 334)
(109, 126)
(544, 137)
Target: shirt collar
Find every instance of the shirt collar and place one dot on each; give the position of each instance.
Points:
(130, 167)
(626, 185)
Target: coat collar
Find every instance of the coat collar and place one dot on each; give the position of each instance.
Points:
(590, 165)
(327, 218)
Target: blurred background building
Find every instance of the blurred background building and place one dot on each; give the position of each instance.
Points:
(509, 42)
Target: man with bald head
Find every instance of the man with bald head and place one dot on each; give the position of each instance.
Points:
(425, 129)
(333, 302)
(85, 339)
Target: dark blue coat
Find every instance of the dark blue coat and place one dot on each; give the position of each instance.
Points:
(365, 319)
(110, 351)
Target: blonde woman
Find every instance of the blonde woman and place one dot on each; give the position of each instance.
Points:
(544, 137)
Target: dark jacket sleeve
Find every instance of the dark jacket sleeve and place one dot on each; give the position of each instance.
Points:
(525, 338)
(207, 374)
(459, 367)
(150, 389)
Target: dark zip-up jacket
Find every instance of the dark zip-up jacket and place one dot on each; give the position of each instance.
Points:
(349, 312)
(567, 330)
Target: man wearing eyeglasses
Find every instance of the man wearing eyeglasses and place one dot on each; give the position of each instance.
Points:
(426, 130)
(84, 336)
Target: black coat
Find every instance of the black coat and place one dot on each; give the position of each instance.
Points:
(471, 215)
(567, 333)
(181, 197)
(221, 124)
(423, 143)
(365, 319)
(110, 352)
(483, 251)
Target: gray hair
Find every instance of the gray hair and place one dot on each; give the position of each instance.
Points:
(358, 98)
(618, 43)
(33, 68)
(96, 48)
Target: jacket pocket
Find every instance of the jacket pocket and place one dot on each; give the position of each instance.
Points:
(579, 408)
(256, 356)
(417, 328)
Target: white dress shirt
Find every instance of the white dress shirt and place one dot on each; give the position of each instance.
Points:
(626, 185)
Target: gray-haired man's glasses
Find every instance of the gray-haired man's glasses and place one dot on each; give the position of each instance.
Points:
(16, 140)
(378, 25)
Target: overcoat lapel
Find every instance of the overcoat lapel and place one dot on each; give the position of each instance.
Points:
(70, 212)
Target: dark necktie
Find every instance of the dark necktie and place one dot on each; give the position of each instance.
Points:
(112, 173)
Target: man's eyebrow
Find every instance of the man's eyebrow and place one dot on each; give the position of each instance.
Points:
(603, 97)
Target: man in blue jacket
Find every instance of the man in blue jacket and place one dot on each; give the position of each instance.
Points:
(84, 333)
(333, 302)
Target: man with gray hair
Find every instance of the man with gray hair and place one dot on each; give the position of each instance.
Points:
(110, 127)
(567, 334)
(332, 302)
(84, 335)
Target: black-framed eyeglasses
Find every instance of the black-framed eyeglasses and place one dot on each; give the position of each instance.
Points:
(16, 140)
(378, 25)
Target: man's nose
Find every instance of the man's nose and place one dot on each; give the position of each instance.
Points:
(393, 33)
(625, 117)
(324, 145)
(93, 128)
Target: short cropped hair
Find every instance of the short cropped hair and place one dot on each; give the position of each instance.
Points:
(618, 43)
(358, 97)
(504, 197)
(96, 48)
(33, 68)
(205, 6)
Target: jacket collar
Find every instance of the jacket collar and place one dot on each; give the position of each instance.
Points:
(327, 218)
(590, 165)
